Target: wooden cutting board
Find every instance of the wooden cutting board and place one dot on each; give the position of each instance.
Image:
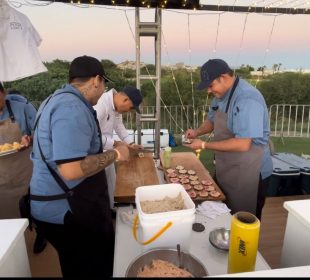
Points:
(191, 162)
(135, 173)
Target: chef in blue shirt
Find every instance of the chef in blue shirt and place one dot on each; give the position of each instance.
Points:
(239, 120)
(16, 124)
(69, 194)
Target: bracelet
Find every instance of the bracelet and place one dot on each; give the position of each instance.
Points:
(118, 155)
(203, 145)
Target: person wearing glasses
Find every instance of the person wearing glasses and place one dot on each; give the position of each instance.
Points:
(68, 189)
(239, 120)
(110, 107)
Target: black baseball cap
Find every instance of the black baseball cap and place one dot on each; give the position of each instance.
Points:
(87, 66)
(135, 96)
(211, 70)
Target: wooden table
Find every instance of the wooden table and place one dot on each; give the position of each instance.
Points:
(135, 173)
(190, 161)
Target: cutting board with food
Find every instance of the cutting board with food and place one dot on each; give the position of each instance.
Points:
(188, 171)
(138, 171)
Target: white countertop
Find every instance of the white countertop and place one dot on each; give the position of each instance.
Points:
(300, 209)
(214, 260)
(13, 252)
(10, 231)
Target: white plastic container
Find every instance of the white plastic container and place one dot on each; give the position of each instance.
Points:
(148, 137)
(150, 224)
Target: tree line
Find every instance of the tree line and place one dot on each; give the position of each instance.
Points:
(279, 88)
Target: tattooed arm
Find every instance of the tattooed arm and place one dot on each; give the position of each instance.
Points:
(88, 166)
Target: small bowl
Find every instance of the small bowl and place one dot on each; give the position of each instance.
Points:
(219, 238)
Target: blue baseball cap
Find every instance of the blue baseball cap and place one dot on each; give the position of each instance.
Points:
(135, 96)
(211, 70)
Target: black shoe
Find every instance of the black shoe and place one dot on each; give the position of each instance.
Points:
(39, 244)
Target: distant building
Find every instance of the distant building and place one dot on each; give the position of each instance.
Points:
(132, 66)
(180, 65)
(268, 72)
(128, 65)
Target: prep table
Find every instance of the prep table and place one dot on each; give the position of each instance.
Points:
(214, 260)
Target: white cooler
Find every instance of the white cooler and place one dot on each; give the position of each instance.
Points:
(148, 137)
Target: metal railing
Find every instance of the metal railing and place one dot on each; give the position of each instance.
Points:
(289, 120)
(285, 120)
(174, 118)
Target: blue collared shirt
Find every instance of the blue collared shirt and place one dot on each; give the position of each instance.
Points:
(247, 117)
(66, 131)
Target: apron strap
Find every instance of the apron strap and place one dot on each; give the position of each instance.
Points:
(68, 192)
(231, 93)
(8, 105)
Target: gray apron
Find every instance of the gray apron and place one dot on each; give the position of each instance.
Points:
(237, 173)
(15, 171)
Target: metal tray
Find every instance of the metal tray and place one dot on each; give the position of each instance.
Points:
(8, 152)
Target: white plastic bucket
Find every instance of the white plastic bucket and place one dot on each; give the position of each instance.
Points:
(167, 228)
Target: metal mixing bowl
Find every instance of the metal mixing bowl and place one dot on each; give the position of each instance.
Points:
(190, 263)
(219, 238)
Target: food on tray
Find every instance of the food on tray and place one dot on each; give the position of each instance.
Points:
(194, 183)
(8, 147)
(187, 187)
(163, 205)
(160, 268)
(184, 181)
(172, 175)
(193, 178)
(203, 194)
(198, 187)
(174, 180)
(192, 194)
(170, 170)
(209, 188)
(207, 182)
(215, 194)
(179, 167)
